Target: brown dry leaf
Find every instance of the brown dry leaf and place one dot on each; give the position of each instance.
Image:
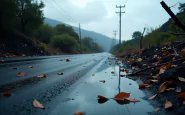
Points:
(132, 99)
(165, 53)
(181, 79)
(181, 96)
(60, 73)
(163, 86)
(143, 86)
(178, 89)
(30, 66)
(122, 96)
(38, 104)
(93, 74)
(21, 74)
(157, 109)
(67, 60)
(112, 72)
(79, 113)
(139, 59)
(42, 76)
(103, 81)
(6, 93)
(170, 89)
(126, 70)
(168, 105)
(152, 97)
(161, 71)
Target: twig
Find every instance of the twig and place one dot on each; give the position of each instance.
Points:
(137, 72)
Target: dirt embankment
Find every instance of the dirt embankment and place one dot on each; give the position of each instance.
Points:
(161, 70)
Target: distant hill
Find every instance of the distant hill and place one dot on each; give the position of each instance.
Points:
(104, 41)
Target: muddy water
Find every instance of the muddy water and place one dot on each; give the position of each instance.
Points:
(84, 96)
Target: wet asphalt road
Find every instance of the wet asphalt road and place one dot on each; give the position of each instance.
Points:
(64, 94)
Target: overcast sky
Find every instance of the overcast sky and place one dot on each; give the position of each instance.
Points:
(99, 15)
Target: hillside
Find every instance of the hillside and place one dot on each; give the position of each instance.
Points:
(100, 39)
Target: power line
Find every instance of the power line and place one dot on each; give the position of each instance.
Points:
(120, 12)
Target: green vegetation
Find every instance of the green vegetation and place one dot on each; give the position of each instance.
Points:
(25, 17)
(155, 36)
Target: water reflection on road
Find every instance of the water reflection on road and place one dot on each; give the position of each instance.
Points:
(85, 95)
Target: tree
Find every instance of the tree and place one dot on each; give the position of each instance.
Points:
(136, 35)
(7, 14)
(63, 29)
(30, 15)
(64, 42)
(44, 33)
(182, 7)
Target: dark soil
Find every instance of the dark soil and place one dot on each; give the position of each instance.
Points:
(176, 70)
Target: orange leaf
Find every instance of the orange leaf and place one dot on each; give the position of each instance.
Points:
(143, 86)
(126, 70)
(79, 113)
(168, 105)
(21, 74)
(38, 104)
(6, 93)
(163, 86)
(122, 96)
(152, 97)
(181, 95)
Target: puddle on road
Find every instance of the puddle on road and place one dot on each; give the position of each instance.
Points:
(85, 96)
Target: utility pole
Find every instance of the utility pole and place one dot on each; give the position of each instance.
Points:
(80, 39)
(120, 21)
(114, 36)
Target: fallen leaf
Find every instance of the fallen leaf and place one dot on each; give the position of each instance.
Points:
(181, 96)
(6, 93)
(67, 60)
(163, 86)
(178, 89)
(181, 79)
(122, 96)
(42, 76)
(157, 109)
(121, 75)
(60, 73)
(142, 86)
(168, 105)
(93, 74)
(132, 99)
(102, 99)
(161, 71)
(112, 72)
(21, 74)
(30, 66)
(139, 59)
(152, 81)
(126, 70)
(103, 81)
(79, 113)
(170, 89)
(122, 69)
(61, 59)
(38, 104)
(152, 97)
